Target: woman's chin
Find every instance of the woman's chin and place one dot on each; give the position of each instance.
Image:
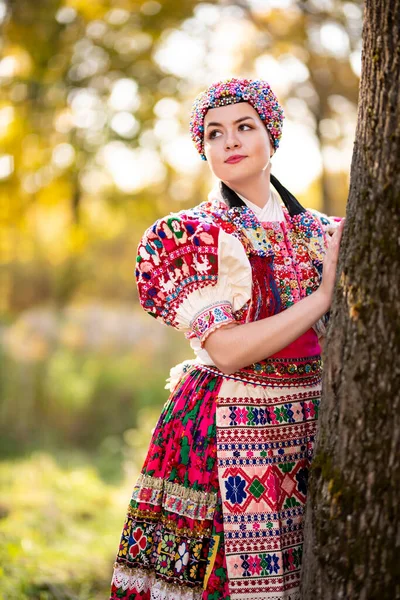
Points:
(245, 175)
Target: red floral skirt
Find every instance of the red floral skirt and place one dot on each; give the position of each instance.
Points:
(217, 512)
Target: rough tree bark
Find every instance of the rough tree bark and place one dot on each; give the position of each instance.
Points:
(352, 529)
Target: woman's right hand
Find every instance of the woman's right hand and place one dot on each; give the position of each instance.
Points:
(330, 264)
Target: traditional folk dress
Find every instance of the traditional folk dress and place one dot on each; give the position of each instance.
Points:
(217, 512)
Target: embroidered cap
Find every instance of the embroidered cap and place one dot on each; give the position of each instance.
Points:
(231, 91)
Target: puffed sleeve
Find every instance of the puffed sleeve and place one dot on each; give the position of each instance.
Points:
(192, 275)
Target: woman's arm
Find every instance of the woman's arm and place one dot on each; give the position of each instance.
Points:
(236, 346)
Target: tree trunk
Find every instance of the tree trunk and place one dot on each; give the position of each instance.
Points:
(352, 528)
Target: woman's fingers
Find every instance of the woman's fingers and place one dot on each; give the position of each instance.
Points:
(334, 242)
(339, 231)
(331, 259)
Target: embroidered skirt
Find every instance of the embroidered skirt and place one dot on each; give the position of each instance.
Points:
(217, 513)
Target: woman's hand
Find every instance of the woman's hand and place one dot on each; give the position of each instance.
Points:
(330, 264)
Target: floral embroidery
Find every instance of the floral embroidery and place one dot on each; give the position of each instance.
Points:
(164, 564)
(272, 563)
(264, 564)
(309, 410)
(123, 548)
(288, 560)
(139, 542)
(255, 565)
(259, 416)
(210, 318)
(167, 542)
(235, 489)
(241, 414)
(183, 557)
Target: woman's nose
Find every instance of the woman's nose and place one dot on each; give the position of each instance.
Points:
(231, 142)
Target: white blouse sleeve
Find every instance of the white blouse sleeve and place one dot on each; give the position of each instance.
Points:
(208, 308)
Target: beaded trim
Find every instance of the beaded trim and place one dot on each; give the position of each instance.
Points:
(276, 368)
(199, 528)
(277, 372)
(175, 497)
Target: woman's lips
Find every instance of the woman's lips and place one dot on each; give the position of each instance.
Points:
(235, 158)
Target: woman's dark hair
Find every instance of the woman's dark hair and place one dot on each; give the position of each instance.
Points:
(292, 204)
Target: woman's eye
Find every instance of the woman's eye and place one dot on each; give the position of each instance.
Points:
(213, 134)
(244, 125)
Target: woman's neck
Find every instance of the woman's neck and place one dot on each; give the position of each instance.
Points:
(256, 191)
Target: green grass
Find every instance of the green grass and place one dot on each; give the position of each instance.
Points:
(59, 529)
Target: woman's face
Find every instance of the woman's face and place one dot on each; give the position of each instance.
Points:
(236, 143)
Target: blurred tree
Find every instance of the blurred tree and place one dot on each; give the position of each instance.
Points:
(79, 86)
(94, 102)
(352, 542)
(324, 37)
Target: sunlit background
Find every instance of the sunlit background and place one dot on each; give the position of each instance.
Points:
(94, 104)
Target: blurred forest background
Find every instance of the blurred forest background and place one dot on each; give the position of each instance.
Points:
(94, 104)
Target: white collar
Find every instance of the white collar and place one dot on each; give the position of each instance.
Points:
(271, 211)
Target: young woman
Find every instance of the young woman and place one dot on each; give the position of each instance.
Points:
(217, 512)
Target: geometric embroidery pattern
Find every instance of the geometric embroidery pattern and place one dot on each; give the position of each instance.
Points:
(265, 440)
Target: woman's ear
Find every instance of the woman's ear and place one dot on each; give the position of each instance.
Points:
(271, 144)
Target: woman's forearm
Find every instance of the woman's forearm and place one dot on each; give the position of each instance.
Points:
(237, 346)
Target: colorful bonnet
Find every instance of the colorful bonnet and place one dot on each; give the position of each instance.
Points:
(231, 91)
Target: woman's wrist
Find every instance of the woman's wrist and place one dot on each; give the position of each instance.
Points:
(324, 300)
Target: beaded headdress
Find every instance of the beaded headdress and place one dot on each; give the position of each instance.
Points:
(231, 91)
